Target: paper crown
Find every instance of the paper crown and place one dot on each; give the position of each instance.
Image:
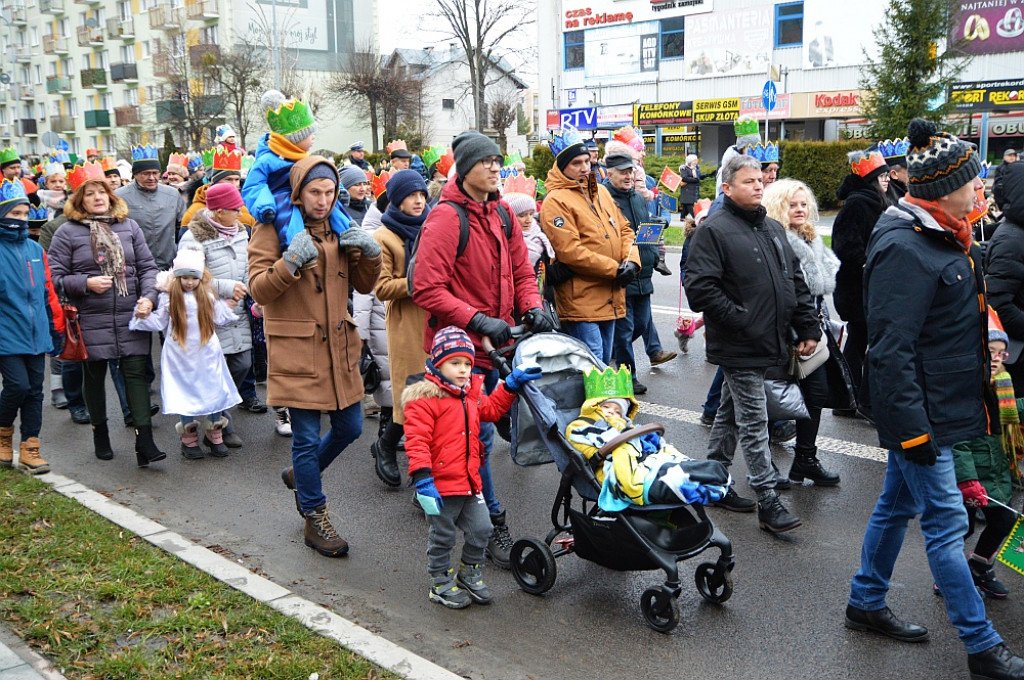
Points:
(74, 159)
(178, 159)
(379, 183)
(40, 214)
(247, 162)
(863, 163)
(542, 190)
(746, 127)
(11, 191)
(608, 384)
(433, 154)
(291, 117)
(9, 154)
(994, 322)
(446, 163)
(80, 174)
(507, 172)
(396, 145)
(54, 169)
(980, 208)
(985, 168)
(563, 138)
(630, 136)
(894, 148)
(37, 169)
(369, 175)
(92, 152)
(222, 159)
(109, 164)
(513, 159)
(520, 184)
(765, 153)
(195, 162)
(145, 153)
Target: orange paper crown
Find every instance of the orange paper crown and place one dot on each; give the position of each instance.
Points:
(369, 175)
(80, 174)
(178, 159)
(519, 184)
(445, 163)
(226, 160)
(868, 163)
(380, 183)
(109, 163)
(397, 144)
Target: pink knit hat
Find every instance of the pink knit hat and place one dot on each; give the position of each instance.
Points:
(223, 196)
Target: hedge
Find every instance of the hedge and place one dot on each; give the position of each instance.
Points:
(821, 165)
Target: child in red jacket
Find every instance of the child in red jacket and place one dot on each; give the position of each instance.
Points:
(442, 440)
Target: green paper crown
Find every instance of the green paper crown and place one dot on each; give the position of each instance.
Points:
(746, 127)
(608, 384)
(208, 159)
(515, 157)
(9, 154)
(433, 154)
(291, 117)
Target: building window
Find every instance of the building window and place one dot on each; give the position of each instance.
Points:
(789, 24)
(448, 104)
(145, 49)
(672, 37)
(573, 49)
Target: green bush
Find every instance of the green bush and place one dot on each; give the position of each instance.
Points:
(539, 163)
(655, 165)
(820, 165)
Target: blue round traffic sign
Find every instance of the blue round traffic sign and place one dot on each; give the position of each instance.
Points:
(768, 95)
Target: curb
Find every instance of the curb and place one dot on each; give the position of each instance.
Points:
(317, 618)
(18, 661)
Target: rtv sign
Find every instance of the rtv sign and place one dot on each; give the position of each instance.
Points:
(581, 119)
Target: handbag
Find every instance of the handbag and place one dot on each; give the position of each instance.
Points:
(74, 346)
(369, 370)
(800, 366)
(785, 400)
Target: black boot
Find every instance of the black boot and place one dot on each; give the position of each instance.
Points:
(499, 546)
(772, 514)
(146, 451)
(101, 442)
(385, 451)
(386, 417)
(806, 465)
(995, 663)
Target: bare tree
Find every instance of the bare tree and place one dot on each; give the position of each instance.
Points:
(503, 109)
(241, 73)
(190, 103)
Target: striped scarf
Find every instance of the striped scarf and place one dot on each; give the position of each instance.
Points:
(1013, 432)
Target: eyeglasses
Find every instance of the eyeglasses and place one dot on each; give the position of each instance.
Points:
(1001, 355)
(492, 161)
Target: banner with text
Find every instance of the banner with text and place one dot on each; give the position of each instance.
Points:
(716, 110)
(663, 113)
(744, 50)
(990, 95)
(988, 27)
(835, 36)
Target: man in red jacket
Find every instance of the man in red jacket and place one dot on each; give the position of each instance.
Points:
(479, 289)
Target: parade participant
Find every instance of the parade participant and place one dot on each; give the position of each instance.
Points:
(479, 289)
(689, 192)
(31, 324)
(177, 170)
(524, 205)
(312, 342)
(922, 287)
(53, 190)
(438, 172)
(92, 155)
(768, 156)
(111, 172)
(599, 168)
(357, 184)
(894, 151)
(102, 261)
(225, 138)
(196, 382)
(357, 156)
(224, 167)
(10, 169)
(999, 192)
(155, 208)
(445, 456)
(400, 157)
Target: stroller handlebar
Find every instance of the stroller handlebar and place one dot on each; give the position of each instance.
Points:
(498, 354)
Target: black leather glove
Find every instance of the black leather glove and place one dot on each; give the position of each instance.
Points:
(496, 329)
(626, 273)
(539, 320)
(558, 273)
(922, 454)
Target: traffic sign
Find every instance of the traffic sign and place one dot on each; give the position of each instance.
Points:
(768, 95)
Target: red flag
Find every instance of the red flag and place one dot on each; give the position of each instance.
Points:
(670, 179)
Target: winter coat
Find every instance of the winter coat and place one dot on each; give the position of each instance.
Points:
(492, 276)
(199, 204)
(862, 206)
(634, 209)
(371, 220)
(590, 236)
(1001, 192)
(49, 229)
(742, 273)
(983, 459)
(29, 311)
(357, 210)
(313, 346)
(896, 191)
(927, 334)
(368, 311)
(158, 213)
(404, 320)
(689, 191)
(818, 264)
(104, 317)
(228, 264)
(442, 431)
(1004, 257)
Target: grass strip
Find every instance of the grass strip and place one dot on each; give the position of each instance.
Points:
(674, 237)
(100, 602)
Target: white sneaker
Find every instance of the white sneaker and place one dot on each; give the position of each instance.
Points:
(282, 422)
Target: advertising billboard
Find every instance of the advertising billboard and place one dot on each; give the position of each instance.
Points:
(990, 95)
(621, 53)
(988, 27)
(735, 42)
(835, 36)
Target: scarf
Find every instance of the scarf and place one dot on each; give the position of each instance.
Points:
(227, 233)
(407, 227)
(537, 243)
(960, 228)
(435, 376)
(107, 250)
(1009, 418)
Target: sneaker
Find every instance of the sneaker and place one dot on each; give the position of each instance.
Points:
(661, 357)
(254, 405)
(471, 578)
(707, 419)
(319, 534)
(772, 514)
(735, 502)
(80, 416)
(500, 544)
(782, 433)
(282, 421)
(444, 591)
(58, 399)
(985, 579)
(639, 387)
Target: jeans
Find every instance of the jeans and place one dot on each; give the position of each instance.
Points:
(909, 490)
(312, 454)
(468, 513)
(599, 336)
(136, 389)
(211, 418)
(71, 378)
(714, 398)
(23, 376)
(743, 412)
(487, 440)
(637, 322)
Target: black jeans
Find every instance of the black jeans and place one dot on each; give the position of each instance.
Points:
(856, 347)
(23, 376)
(136, 389)
(998, 524)
(815, 390)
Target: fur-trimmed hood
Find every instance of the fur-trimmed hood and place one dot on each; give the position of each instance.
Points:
(422, 389)
(818, 263)
(119, 211)
(201, 228)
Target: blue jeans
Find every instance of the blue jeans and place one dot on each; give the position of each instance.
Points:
(23, 376)
(714, 398)
(637, 323)
(118, 379)
(71, 379)
(487, 439)
(312, 454)
(909, 490)
(599, 336)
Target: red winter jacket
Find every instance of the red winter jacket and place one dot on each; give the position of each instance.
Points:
(489, 277)
(442, 431)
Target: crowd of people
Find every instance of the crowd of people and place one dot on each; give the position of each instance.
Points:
(351, 291)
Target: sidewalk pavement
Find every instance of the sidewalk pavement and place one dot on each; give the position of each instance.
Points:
(18, 662)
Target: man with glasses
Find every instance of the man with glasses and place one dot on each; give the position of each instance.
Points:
(479, 289)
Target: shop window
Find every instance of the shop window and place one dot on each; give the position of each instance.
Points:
(672, 37)
(573, 49)
(789, 24)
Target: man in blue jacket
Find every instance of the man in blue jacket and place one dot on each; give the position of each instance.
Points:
(924, 296)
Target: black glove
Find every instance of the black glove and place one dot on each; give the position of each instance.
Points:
(496, 329)
(558, 273)
(539, 320)
(626, 273)
(922, 454)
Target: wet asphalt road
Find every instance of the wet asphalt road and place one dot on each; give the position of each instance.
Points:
(784, 620)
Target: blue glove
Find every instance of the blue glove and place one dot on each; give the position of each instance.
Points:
(428, 497)
(521, 375)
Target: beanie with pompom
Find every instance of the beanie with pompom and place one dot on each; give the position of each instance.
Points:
(938, 163)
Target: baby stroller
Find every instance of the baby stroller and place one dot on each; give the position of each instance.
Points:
(639, 538)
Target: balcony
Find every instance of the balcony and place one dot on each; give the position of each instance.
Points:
(94, 77)
(97, 119)
(19, 16)
(128, 116)
(124, 73)
(55, 45)
(90, 37)
(202, 10)
(168, 19)
(23, 54)
(211, 106)
(62, 123)
(87, 2)
(120, 29)
(170, 111)
(58, 85)
(51, 6)
(164, 65)
(22, 91)
(202, 54)
(27, 127)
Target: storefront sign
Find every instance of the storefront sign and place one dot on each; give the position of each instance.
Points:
(663, 113)
(586, 17)
(988, 27)
(610, 117)
(716, 110)
(753, 106)
(1010, 126)
(581, 119)
(990, 95)
(682, 6)
(840, 104)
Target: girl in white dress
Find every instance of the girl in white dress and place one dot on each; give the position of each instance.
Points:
(195, 381)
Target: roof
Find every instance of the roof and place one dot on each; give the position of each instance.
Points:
(433, 60)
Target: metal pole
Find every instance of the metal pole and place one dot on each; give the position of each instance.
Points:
(274, 45)
(982, 134)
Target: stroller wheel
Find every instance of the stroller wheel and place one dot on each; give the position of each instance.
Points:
(533, 565)
(714, 583)
(661, 609)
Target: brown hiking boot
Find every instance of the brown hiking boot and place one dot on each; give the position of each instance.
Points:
(320, 535)
(29, 459)
(6, 446)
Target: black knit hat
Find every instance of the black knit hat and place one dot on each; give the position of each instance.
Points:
(470, 148)
(938, 163)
